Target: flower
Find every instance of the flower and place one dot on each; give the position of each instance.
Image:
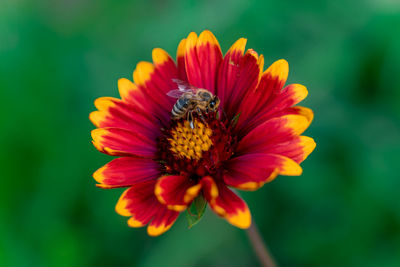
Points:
(166, 164)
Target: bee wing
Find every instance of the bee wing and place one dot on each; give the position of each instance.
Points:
(176, 93)
(185, 86)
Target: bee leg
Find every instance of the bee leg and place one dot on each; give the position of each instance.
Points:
(201, 115)
(190, 119)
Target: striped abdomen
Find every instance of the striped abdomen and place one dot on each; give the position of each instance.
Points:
(180, 108)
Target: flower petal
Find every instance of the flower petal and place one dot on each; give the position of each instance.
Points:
(177, 192)
(271, 83)
(125, 88)
(156, 85)
(126, 171)
(113, 112)
(162, 222)
(140, 99)
(275, 130)
(121, 142)
(288, 97)
(192, 64)
(210, 189)
(202, 59)
(244, 79)
(180, 59)
(226, 204)
(244, 183)
(140, 203)
(298, 110)
(246, 178)
(210, 57)
(297, 149)
(164, 64)
(153, 81)
(229, 70)
(259, 167)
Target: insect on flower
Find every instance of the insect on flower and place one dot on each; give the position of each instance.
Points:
(186, 132)
(191, 98)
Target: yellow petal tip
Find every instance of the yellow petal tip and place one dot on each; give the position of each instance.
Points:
(157, 230)
(297, 123)
(125, 86)
(191, 40)
(160, 56)
(181, 49)
(143, 72)
(290, 168)
(242, 219)
(207, 37)
(191, 193)
(239, 45)
(120, 208)
(98, 175)
(279, 70)
(135, 223)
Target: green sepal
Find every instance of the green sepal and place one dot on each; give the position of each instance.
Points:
(196, 211)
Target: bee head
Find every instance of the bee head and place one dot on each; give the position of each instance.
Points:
(214, 103)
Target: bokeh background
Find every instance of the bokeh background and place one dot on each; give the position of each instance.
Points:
(58, 56)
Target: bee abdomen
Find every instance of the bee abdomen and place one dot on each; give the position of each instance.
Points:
(179, 108)
(176, 112)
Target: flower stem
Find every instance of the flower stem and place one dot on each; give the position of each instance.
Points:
(259, 247)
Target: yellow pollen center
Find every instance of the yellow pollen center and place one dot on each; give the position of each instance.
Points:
(188, 142)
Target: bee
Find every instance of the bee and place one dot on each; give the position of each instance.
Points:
(192, 99)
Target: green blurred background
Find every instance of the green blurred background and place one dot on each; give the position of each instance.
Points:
(58, 56)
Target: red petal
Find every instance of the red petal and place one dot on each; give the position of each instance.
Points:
(180, 59)
(243, 182)
(210, 189)
(162, 221)
(226, 204)
(202, 59)
(140, 203)
(120, 142)
(248, 173)
(297, 110)
(126, 171)
(210, 57)
(297, 149)
(271, 83)
(275, 130)
(177, 192)
(192, 64)
(139, 97)
(288, 97)
(119, 114)
(165, 65)
(156, 86)
(262, 166)
(244, 79)
(229, 71)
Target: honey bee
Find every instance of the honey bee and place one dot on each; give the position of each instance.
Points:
(192, 99)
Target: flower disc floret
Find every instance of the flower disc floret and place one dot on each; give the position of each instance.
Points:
(188, 142)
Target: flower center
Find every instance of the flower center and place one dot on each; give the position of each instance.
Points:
(195, 152)
(188, 142)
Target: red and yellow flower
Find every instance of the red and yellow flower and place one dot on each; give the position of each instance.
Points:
(165, 164)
